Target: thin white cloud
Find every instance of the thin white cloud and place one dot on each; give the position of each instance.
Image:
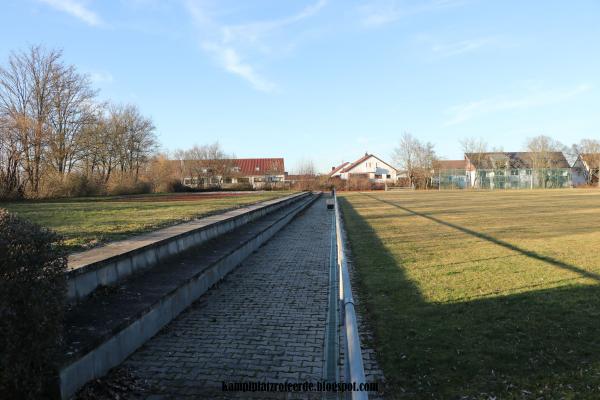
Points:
(227, 43)
(464, 112)
(384, 12)
(101, 77)
(76, 9)
(254, 30)
(231, 61)
(462, 46)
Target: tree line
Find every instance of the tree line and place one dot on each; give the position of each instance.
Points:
(57, 139)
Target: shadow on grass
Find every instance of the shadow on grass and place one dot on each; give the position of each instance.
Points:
(539, 344)
(525, 252)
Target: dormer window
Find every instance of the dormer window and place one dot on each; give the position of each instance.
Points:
(257, 168)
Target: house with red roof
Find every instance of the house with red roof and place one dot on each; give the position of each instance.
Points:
(255, 172)
(368, 166)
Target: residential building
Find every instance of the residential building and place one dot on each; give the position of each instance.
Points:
(251, 172)
(514, 170)
(585, 169)
(368, 166)
(450, 174)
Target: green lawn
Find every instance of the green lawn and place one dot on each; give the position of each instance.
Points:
(481, 294)
(87, 222)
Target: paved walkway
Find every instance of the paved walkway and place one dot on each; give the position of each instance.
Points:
(264, 322)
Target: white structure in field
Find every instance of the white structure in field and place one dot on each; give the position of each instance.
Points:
(368, 166)
(517, 170)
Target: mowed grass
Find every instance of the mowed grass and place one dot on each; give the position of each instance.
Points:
(88, 222)
(481, 294)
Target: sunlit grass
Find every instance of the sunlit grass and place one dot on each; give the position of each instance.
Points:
(88, 222)
(482, 293)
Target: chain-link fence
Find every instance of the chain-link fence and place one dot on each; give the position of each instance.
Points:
(450, 179)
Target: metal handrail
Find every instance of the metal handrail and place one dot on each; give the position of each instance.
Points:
(353, 363)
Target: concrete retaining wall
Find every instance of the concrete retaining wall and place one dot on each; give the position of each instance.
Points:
(112, 352)
(123, 259)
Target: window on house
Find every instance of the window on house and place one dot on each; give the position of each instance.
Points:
(388, 176)
(528, 172)
(514, 172)
(243, 180)
(227, 180)
(377, 176)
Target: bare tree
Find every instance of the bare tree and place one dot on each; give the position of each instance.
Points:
(417, 159)
(541, 149)
(206, 165)
(307, 175)
(219, 164)
(51, 125)
(41, 66)
(72, 110)
(11, 183)
(474, 149)
(131, 140)
(179, 156)
(26, 90)
(306, 167)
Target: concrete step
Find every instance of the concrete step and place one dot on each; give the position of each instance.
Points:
(110, 264)
(107, 326)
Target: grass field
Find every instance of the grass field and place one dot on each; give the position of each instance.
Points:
(87, 222)
(481, 294)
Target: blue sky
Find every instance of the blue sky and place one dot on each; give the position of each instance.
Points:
(327, 80)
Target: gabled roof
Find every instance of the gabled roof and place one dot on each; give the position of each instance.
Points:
(362, 159)
(451, 164)
(355, 163)
(517, 160)
(339, 167)
(259, 166)
(244, 166)
(591, 159)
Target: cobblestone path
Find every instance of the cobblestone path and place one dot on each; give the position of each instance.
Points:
(264, 322)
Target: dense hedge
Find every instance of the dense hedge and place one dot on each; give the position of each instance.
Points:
(32, 300)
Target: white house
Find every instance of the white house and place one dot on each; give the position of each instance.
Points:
(369, 166)
(586, 169)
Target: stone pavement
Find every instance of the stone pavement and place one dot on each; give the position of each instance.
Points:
(264, 322)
